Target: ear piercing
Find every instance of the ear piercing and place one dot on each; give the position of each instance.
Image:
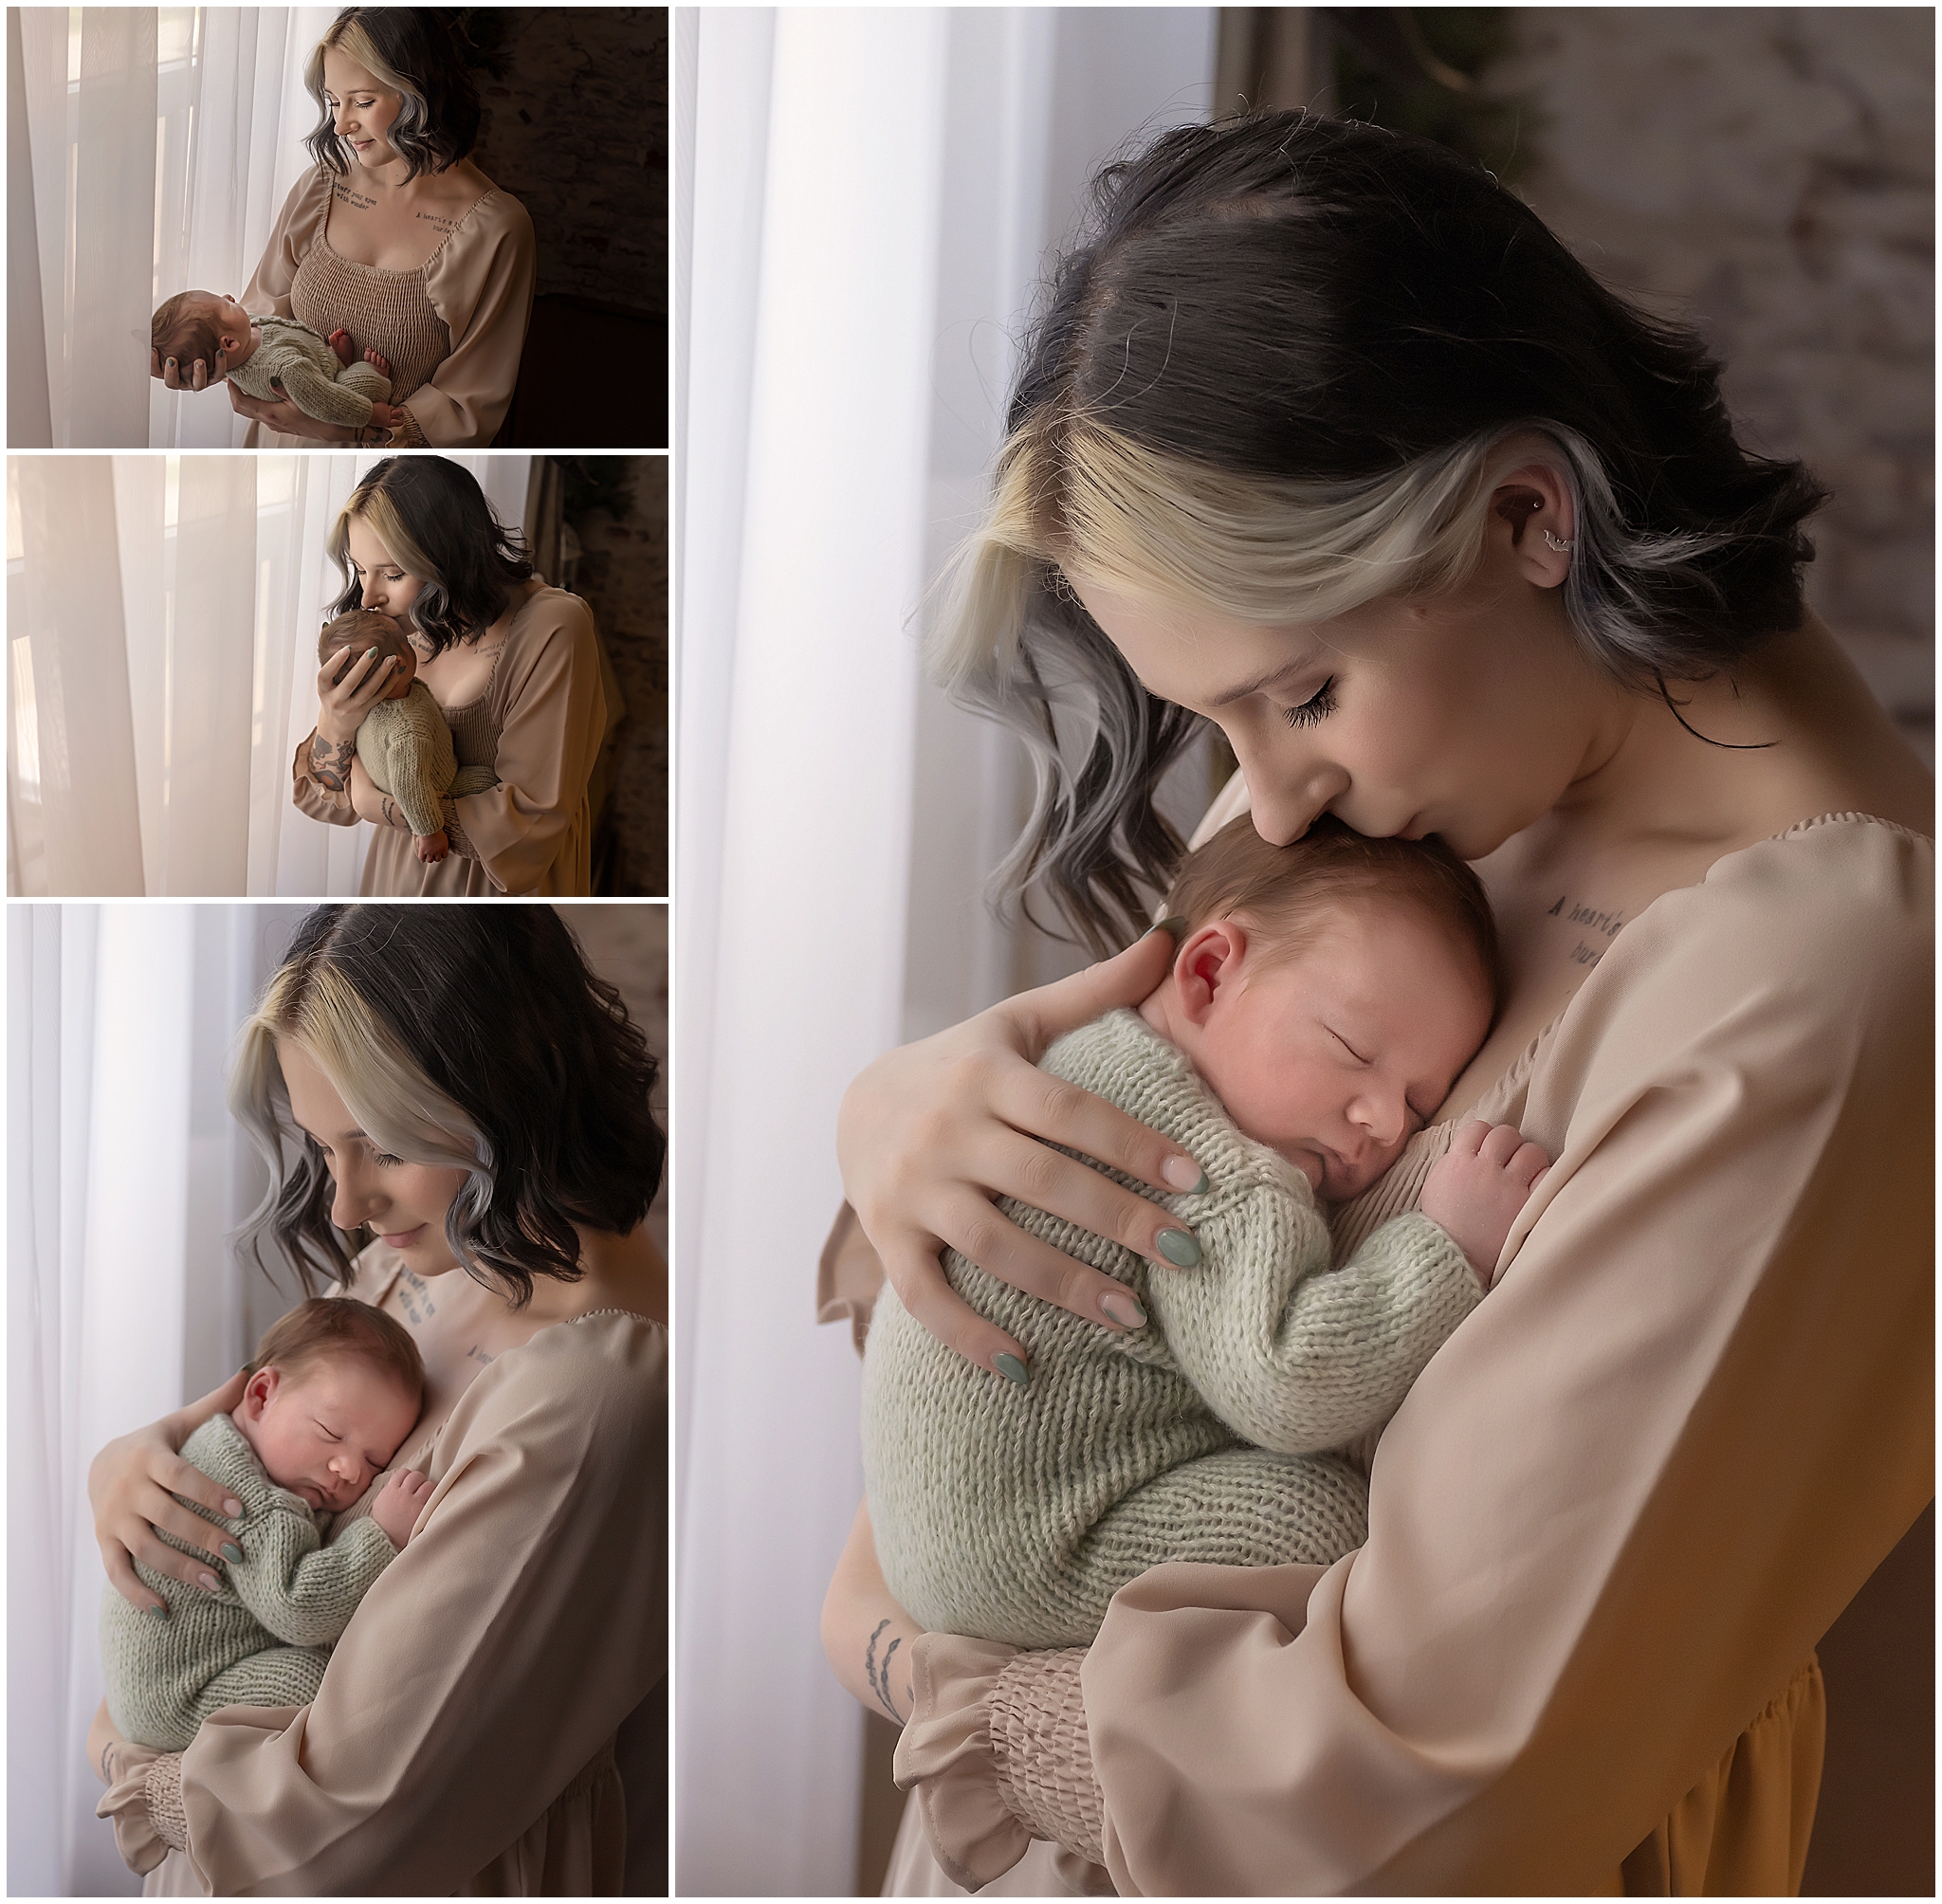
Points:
(1562, 548)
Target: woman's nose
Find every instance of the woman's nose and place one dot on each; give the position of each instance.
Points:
(374, 594)
(1285, 804)
(352, 1203)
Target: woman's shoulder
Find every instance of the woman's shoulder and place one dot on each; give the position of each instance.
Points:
(548, 612)
(309, 200)
(495, 215)
(598, 1376)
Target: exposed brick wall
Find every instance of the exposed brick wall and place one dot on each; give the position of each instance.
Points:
(623, 576)
(577, 133)
(1769, 173)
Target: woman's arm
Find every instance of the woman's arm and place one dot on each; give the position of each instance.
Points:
(867, 1636)
(482, 285)
(1626, 1498)
(489, 1663)
(325, 773)
(132, 1484)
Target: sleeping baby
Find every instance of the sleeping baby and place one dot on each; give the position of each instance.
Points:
(1322, 1002)
(273, 358)
(403, 742)
(334, 1390)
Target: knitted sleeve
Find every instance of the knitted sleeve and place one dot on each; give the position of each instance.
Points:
(418, 759)
(321, 397)
(1292, 1356)
(304, 1591)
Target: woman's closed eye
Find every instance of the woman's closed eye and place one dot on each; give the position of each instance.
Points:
(1318, 706)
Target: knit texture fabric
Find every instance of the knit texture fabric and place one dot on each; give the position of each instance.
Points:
(294, 361)
(164, 1792)
(263, 1638)
(389, 312)
(1015, 1514)
(1043, 1753)
(407, 750)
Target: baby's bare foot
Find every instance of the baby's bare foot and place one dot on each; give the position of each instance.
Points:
(339, 341)
(377, 360)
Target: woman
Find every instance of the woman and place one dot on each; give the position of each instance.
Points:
(513, 665)
(398, 238)
(456, 1082)
(1325, 438)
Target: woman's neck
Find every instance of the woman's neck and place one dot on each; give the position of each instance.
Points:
(617, 1272)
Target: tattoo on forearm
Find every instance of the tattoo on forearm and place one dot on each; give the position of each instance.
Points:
(1598, 925)
(390, 816)
(879, 1677)
(330, 763)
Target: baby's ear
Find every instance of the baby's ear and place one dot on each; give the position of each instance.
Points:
(1206, 963)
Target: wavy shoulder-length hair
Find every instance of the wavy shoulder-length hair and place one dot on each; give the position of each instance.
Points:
(414, 52)
(468, 1037)
(1278, 377)
(437, 524)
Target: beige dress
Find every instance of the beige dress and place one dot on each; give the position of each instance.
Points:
(454, 328)
(1615, 1513)
(538, 725)
(463, 1738)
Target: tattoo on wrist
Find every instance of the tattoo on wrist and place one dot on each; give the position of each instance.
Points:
(879, 1677)
(330, 763)
(390, 813)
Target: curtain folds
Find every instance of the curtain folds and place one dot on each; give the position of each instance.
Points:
(153, 148)
(162, 615)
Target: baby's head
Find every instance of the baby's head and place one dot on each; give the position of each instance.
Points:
(363, 630)
(335, 1389)
(1330, 992)
(196, 324)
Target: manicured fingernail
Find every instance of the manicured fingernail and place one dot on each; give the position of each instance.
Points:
(159, 1612)
(1117, 1307)
(211, 1583)
(233, 1509)
(231, 1552)
(371, 654)
(1174, 926)
(1012, 1370)
(1185, 1174)
(1179, 1248)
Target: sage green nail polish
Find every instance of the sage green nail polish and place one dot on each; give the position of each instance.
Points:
(1174, 926)
(1012, 1370)
(1116, 1305)
(159, 1612)
(231, 1552)
(1179, 1248)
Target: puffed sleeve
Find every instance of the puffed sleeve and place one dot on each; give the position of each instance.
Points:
(489, 1663)
(1626, 1498)
(549, 737)
(480, 283)
(298, 224)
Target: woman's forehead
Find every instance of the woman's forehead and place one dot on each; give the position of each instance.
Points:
(365, 546)
(342, 74)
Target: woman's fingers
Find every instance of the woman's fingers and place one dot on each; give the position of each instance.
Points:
(1020, 1166)
(918, 1278)
(177, 1477)
(1048, 1107)
(122, 1577)
(1051, 1011)
(982, 1232)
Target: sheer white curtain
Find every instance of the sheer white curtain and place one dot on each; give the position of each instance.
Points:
(161, 627)
(124, 1172)
(151, 151)
(864, 200)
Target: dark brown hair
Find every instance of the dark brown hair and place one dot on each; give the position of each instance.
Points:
(340, 1326)
(417, 53)
(179, 330)
(1286, 888)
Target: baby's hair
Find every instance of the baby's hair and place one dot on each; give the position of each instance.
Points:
(338, 1325)
(1288, 888)
(179, 330)
(361, 630)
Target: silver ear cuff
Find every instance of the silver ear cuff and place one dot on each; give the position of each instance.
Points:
(1562, 548)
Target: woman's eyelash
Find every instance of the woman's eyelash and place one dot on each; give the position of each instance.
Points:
(1318, 706)
(384, 1159)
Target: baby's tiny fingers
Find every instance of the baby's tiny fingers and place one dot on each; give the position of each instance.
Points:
(1529, 1163)
(1500, 1144)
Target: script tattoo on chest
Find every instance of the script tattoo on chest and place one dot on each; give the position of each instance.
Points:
(349, 195)
(477, 1354)
(415, 1298)
(438, 220)
(1598, 926)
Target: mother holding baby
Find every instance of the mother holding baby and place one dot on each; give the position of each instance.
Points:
(454, 1083)
(513, 665)
(396, 238)
(1323, 437)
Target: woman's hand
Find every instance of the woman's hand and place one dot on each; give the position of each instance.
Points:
(867, 1636)
(342, 707)
(931, 1132)
(283, 415)
(200, 375)
(131, 1486)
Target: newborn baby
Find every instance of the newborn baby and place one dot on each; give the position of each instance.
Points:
(334, 1390)
(1325, 998)
(274, 357)
(403, 742)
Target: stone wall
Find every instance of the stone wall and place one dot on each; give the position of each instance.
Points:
(1769, 174)
(578, 132)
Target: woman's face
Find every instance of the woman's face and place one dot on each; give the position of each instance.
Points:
(404, 1203)
(1467, 716)
(362, 112)
(386, 587)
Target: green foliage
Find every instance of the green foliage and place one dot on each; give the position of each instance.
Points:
(1495, 130)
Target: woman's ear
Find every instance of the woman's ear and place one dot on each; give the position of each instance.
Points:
(1207, 962)
(1533, 518)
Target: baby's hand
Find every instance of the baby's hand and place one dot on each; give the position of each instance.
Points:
(399, 1503)
(433, 847)
(1478, 1187)
(385, 415)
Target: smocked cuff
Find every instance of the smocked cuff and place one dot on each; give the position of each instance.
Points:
(144, 1805)
(1044, 1753)
(407, 435)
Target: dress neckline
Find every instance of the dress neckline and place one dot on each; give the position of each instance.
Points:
(484, 694)
(417, 271)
